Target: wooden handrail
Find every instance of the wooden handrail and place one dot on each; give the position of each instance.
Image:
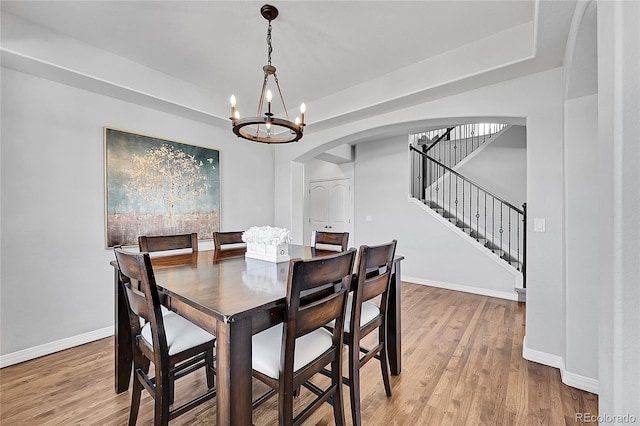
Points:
(442, 136)
(450, 170)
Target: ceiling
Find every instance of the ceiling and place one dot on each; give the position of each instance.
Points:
(319, 47)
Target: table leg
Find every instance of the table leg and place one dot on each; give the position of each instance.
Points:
(122, 336)
(393, 321)
(233, 362)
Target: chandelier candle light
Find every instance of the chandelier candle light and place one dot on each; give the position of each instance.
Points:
(267, 128)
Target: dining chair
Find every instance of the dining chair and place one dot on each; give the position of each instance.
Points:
(168, 242)
(364, 315)
(224, 238)
(331, 240)
(287, 355)
(174, 345)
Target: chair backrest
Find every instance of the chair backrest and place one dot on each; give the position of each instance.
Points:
(168, 242)
(223, 238)
(337, 239)
(143, 303)
(324, 283)
(373, 278)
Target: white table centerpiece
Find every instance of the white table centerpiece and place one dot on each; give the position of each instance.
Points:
(268, 243)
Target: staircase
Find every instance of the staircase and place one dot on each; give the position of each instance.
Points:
(492, 222)
(487, 241)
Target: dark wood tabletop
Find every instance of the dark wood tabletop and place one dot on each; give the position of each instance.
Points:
(242, 285)
(232, 297)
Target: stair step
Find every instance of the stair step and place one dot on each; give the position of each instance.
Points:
(480, 239)
(515, 264)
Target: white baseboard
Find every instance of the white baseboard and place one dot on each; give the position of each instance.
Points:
(541, 357)
(510, 295)
(574, 380)
(580, 382)
(52, 347)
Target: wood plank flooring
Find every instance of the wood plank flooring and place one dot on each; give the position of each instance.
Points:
(461, 365)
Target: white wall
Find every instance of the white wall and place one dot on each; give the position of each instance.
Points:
(56, 281)
(583, 219)
(619, 194)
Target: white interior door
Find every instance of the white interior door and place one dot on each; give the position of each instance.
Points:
(330, 205)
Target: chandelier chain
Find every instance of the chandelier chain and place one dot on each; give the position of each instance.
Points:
(269, 49)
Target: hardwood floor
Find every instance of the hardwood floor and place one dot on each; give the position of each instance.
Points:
(462, 365)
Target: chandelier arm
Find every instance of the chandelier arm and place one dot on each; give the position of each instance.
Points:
(281, 97)
(262, 94)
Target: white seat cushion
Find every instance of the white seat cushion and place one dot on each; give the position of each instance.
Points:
(181, 334)
(267, 345)
(369, 312)
(163, 309)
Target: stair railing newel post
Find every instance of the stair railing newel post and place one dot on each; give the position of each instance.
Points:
(424, 169)
(524, 245)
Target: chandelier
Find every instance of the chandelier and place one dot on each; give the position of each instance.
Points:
(265, 127)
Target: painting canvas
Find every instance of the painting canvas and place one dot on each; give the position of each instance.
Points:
(159, 187)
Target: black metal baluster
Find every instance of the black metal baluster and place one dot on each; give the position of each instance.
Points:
(456, 197)
(467, 139)
(443, 151)
(449, 159)
(431, 171)
(462, 144)
(454, 160)
(485, 217)
(524, 245)
(417, 165)
(501, 226)
(463, 219)
(509, 245)
(493, 220)
(518, 244)
(473, 137)
(477, 214)
(437, 183)
(450, 177)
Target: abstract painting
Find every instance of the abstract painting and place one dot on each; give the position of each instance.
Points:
(156, 186)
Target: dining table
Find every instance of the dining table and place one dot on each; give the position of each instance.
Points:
(232, 296)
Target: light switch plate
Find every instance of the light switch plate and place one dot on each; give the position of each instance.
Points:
(539, 224)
